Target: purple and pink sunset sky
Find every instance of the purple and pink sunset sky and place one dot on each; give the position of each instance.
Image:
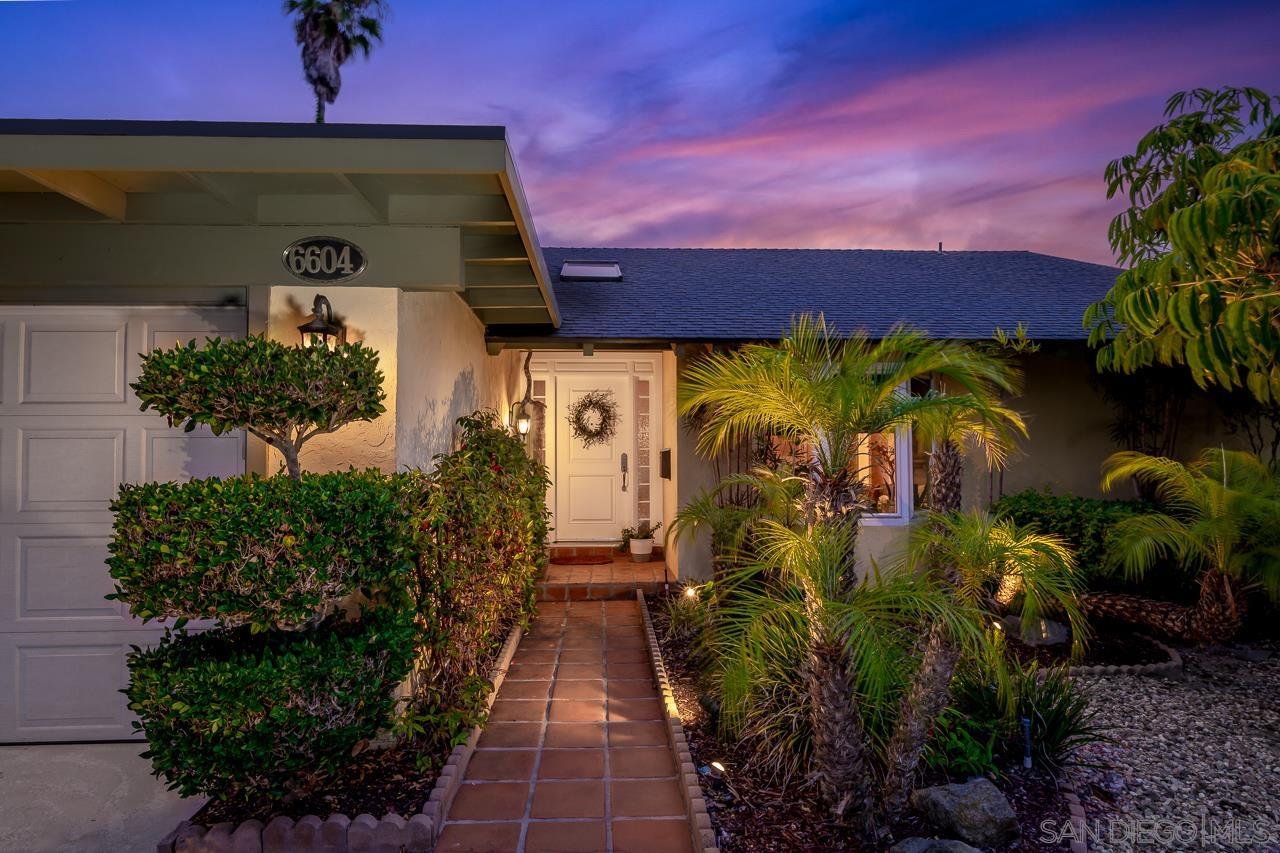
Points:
(726, 123)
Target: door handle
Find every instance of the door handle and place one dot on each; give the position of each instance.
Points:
(624, 472)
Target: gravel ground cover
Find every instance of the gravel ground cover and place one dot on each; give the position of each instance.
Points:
(1193, 764)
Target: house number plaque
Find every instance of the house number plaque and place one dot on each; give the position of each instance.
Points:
(324, 260)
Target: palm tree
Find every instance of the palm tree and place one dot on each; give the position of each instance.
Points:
(990, 427)
(829, 397)
(329, 32)
(808, 667)
(832, 397)
(986, 564)
(1222, 521)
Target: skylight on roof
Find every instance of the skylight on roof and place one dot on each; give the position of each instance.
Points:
(591, 271)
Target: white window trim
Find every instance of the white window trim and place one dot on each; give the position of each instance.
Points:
(901, 485)
(904, 466)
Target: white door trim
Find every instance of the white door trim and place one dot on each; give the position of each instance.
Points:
(645, 365)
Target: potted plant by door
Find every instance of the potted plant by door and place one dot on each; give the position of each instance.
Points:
(640, 540)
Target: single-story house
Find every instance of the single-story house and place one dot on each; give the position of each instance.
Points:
(117, 237)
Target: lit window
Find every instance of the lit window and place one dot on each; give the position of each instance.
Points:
(591, 271)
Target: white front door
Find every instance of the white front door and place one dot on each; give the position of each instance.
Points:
(595, 486)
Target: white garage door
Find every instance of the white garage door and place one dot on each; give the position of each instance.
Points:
(70, 434)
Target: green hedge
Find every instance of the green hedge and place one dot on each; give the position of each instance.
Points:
(1086, 523)
(229, 710)
(451, 558)
(264, 551)
(482, 531)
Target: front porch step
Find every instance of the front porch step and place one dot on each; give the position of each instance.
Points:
(614, 581)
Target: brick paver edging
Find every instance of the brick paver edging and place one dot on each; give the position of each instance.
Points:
(455, 767)
(1075, 814)
(1170, 667)
(339, 833)
(704, 836)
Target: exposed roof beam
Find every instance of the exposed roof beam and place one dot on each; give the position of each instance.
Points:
(243, 205)
(493, 248)
(503, 297)
(500, 275)
(84, 188)
(373, 198)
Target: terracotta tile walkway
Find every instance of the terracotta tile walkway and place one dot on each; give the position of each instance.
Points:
(616, 580)
(575, 756)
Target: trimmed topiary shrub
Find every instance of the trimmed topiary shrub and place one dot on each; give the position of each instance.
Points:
(268, 552)
(1086, 523)
(285, 395)
(229, 710)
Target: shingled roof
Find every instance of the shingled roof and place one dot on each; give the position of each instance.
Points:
(745, 294)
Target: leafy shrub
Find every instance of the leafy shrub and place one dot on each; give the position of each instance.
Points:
(228, 710)
(994, 695)
(482, 527)
(448, 558)
(285, 395)
(962, 746)
(1086, 523)
(261, 551)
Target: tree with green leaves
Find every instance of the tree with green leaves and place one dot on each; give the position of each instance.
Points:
(330, 32)
(1221, 521)
(284, 395)
(1200, 241)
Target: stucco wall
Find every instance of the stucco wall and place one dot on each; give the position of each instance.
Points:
(1069, 423)
(445, 373)
(369, 313)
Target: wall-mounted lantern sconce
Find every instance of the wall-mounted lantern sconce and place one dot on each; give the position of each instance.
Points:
(321, 327)
(522, 419)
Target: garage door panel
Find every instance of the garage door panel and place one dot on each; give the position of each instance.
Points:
(161, 334)
(55, 578)
(75, 359)
(69, 470)
(70, 433)
(170, 455)
(66, 686)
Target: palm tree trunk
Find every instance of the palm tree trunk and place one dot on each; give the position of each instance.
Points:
(1217, 616)
(1162, 617)
(1219, 612)
(319, 108)
(946, 474)
(841, 764)
(930, 688)
(836, 500)
(925, 699)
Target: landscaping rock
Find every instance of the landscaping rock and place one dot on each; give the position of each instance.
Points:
(932, 845)
(1045, 632)
(1200, 751)
(976, 811)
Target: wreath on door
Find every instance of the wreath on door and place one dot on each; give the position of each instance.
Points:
(593, 417)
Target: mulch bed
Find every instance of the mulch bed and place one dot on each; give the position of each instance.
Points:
(1107, 647)
(379, 782)
(753, 814)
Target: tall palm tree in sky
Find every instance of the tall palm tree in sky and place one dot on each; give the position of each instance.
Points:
(329, 32)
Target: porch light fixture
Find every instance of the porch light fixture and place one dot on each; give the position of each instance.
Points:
(322, 326)
(522, 419)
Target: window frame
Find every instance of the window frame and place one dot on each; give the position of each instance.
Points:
(903, 488)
